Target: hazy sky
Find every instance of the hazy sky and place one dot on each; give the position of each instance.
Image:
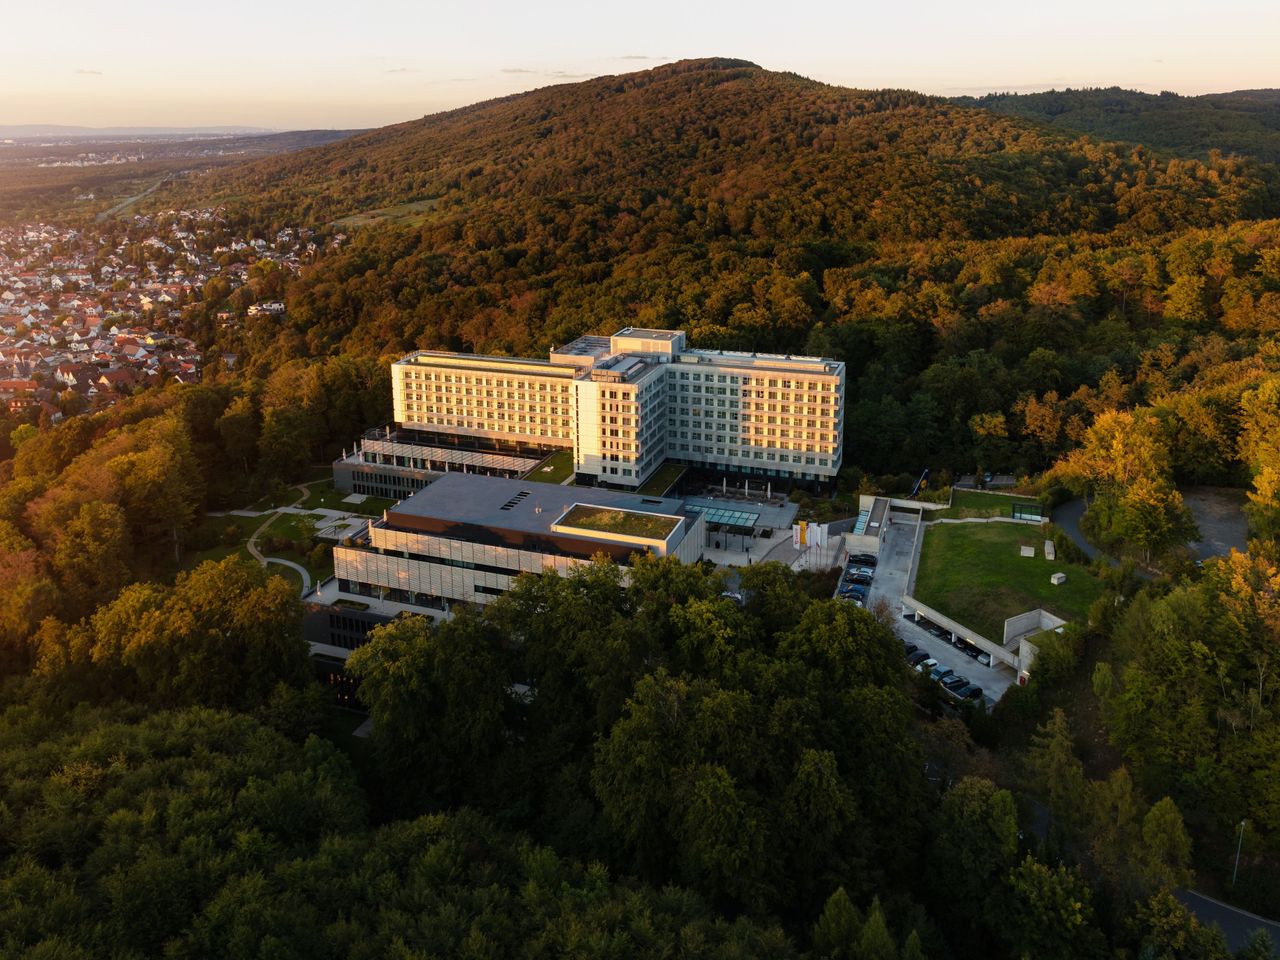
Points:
(352, 64)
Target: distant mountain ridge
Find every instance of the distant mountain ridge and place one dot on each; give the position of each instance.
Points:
(19, 130)
(1244, 122)
(721, 135)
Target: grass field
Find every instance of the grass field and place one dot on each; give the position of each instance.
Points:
(973, 573)
(555, 469)
(244, 525)
(661, 481)
(977, 503)
(402, 215)
(290, 526)
(321, 494)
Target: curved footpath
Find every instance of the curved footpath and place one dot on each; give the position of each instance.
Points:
(252, 545)
(299, 568)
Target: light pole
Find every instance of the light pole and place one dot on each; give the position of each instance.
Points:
(1239, 845)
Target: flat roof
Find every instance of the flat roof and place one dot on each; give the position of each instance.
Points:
(474, 360)
(520, 505)
(585, 346)
(646, 333)
(764, 361)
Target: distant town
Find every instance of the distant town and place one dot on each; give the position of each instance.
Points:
(89, 315)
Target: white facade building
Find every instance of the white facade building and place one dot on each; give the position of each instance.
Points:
(626, 403)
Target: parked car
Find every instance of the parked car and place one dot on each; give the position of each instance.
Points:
(942, 633)
(940, 672)
(861, 579)
(955, 682)
(926, 666)
(908, 648)
(865, 571)
(968, 649)
(916, 658)
(863, 559)
(970, 691)
(983, 658)
(853, 590)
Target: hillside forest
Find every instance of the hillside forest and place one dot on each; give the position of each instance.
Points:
(586, 770)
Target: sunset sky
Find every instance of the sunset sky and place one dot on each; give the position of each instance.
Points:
(329, 64)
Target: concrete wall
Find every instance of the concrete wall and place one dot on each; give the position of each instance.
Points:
(998, 653)
(1031, 523)
(1026, 624)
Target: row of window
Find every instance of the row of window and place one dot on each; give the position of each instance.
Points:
(470, 379)
(394, 594)
(768, 455)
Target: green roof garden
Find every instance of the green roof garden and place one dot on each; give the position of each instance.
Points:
(627, 523)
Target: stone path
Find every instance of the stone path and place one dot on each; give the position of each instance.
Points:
(252, 545)
(301, 570)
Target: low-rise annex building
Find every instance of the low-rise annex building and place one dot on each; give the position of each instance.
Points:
(464, 539)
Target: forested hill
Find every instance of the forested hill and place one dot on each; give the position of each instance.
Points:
(724, 148)
(1246, 122)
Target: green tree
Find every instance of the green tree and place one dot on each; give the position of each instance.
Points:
(875, 942)
(839, 928)
(92, 557)
(438, 697)
(1165, 854)
(1048, 915)
(976, 841)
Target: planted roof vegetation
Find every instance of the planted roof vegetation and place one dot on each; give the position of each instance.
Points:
(975, 574)
(630, 523)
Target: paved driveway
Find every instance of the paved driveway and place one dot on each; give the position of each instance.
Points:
(1219, 513)
(890, 584)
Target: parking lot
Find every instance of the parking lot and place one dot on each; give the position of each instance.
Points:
(890, 584)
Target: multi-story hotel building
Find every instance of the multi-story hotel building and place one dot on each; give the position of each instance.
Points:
(622, 404)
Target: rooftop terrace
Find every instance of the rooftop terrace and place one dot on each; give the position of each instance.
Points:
(627, 523)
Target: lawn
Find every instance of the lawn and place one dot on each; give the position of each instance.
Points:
(662, 480)
(973, 573)
(409, 214)
(555, 469)
(321, 495)
(977, 503)
(220, 551)
(290, 525)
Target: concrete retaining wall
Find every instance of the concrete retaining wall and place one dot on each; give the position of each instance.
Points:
(1032, 523)
(960, 630)
(1033, 621)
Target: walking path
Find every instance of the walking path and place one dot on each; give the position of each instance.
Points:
(125, 204)
(252, 545)
(297, 567)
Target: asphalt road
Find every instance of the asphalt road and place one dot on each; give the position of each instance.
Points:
(1068, 517)
(1219, 513)
(1236, 925)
